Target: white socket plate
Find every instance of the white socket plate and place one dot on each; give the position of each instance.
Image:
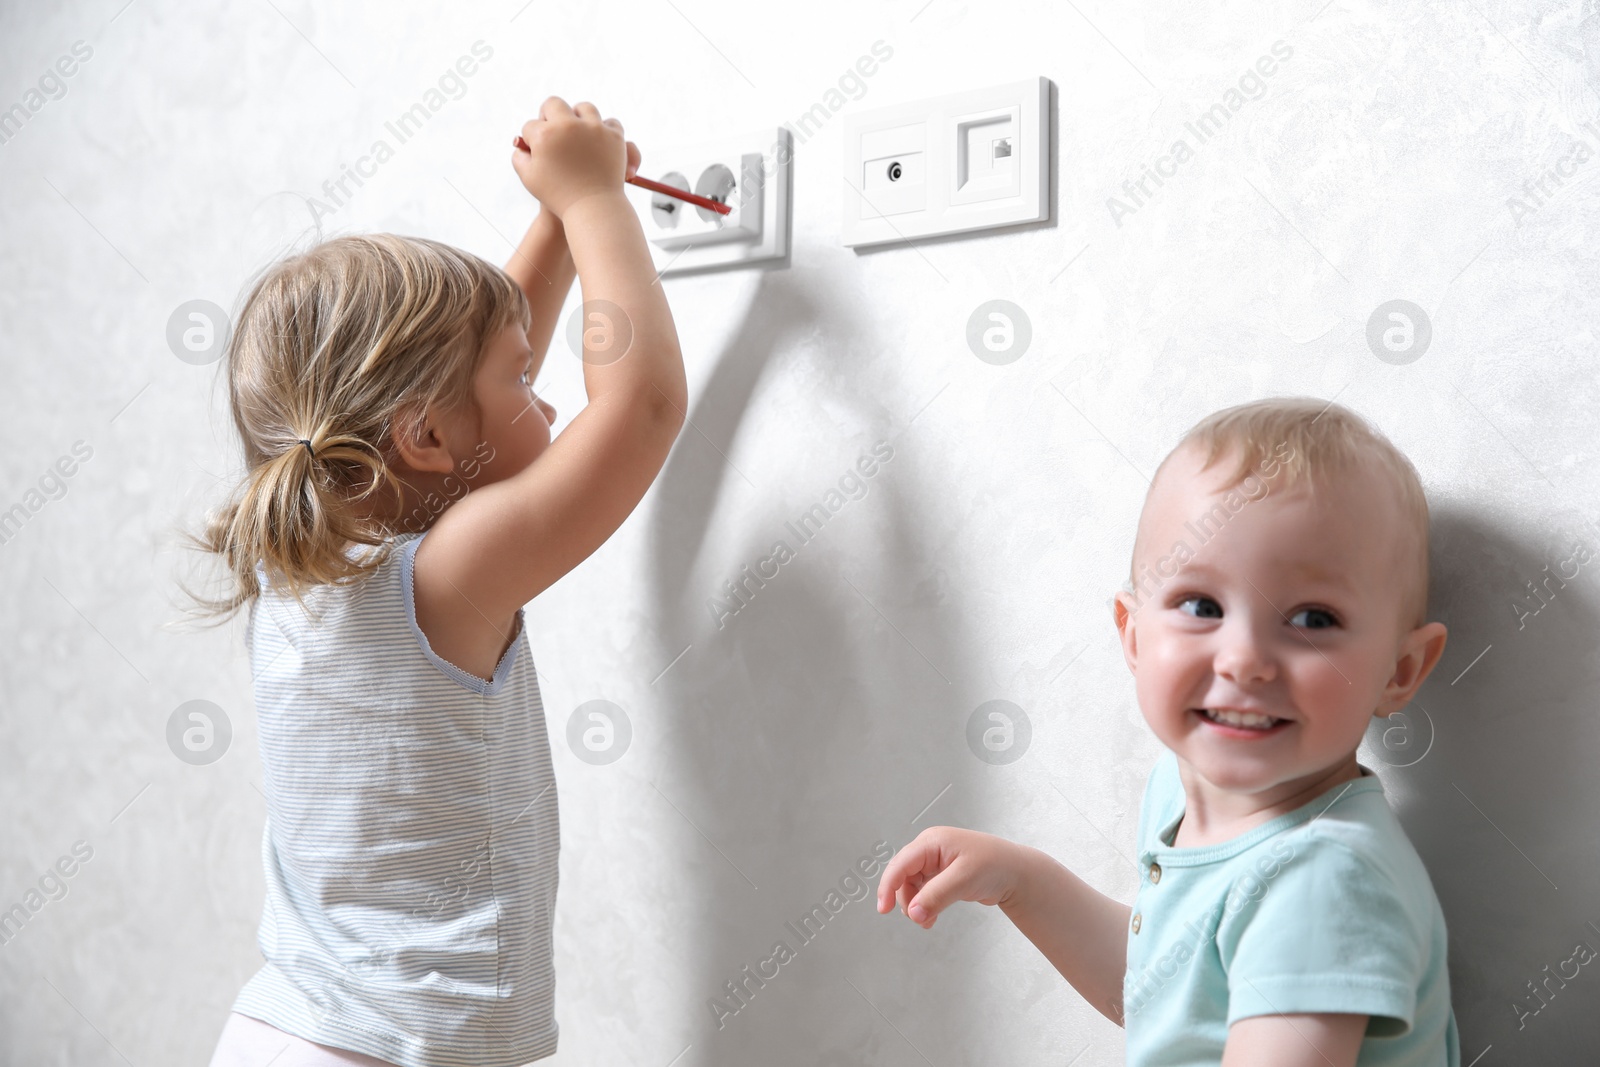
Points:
(951, 164)
(757, 232)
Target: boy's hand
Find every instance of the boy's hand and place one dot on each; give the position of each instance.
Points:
(572, 153)
(945, 864)
(1082, 932)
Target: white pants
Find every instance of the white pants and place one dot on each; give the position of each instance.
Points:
(248, 1042)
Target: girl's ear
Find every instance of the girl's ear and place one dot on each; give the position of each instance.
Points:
(418, 441)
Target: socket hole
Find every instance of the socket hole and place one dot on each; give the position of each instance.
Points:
(716, 183)
(664, 209)
(895, 171)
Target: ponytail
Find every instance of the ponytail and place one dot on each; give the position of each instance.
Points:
(336, 350)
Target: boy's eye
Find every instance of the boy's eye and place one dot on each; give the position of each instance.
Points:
(1326, 615)
(1206, 607)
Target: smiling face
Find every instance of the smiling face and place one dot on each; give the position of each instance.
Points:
(1287, 621)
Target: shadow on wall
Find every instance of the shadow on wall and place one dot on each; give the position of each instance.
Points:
(788, 738)
(1493, 776)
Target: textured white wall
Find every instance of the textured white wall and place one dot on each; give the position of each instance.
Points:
(830, 713)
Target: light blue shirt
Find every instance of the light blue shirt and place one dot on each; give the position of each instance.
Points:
(1327, 908)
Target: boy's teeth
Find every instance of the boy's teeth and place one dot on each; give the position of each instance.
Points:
(1248, 719)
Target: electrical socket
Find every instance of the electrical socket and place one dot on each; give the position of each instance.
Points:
(750, 173)
(735, 182)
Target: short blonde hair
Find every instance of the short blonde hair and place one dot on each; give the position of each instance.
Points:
(343, 345)
(1324, 441)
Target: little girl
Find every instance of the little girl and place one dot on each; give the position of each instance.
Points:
(403, 501)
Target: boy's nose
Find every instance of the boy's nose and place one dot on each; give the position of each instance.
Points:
(1241, 662)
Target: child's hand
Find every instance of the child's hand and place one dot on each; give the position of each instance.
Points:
(945, 864)
(571, 154)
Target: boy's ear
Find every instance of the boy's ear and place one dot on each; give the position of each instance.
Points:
(1418, 656)
(1123, 610)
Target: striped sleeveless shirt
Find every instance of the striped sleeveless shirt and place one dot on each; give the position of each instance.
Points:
(411, 837)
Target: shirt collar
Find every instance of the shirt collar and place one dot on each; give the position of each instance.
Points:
(1310, 811)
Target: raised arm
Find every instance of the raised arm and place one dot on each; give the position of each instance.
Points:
(502, 544)
(542, 267)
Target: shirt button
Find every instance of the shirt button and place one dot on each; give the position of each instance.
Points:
(1135, 922)
(1155, 873)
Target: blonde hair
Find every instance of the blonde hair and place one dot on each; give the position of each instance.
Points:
(344, 345)
(1314, 441)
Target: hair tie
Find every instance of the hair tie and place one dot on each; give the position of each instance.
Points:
(309, 452)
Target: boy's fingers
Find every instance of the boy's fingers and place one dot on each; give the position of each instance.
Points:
(921, 856)
(903, 897)
(585, 110)
(885, 894)
(908, 868)
(554, 107)
(938, 893)
(633, 159)
(904, 890)
(893, 874)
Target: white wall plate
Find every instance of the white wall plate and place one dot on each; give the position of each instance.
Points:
(967, 161)
(751, 173)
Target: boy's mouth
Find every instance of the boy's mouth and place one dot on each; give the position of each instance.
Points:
(1231, 719)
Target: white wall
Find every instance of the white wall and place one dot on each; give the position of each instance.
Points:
(828, 714)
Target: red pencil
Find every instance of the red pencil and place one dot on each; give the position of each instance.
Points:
(659, 187)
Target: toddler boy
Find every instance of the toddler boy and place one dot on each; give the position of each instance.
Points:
(1277, 602)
